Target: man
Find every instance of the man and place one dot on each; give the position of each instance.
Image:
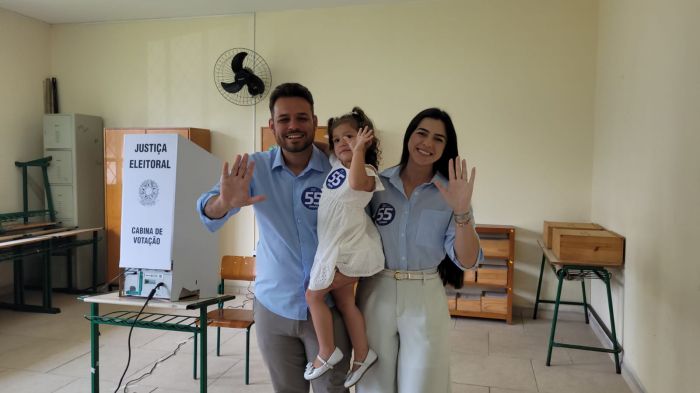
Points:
(284, 185)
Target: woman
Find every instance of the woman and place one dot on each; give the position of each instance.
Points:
(423, 214)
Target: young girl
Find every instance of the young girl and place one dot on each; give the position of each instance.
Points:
(349, 245)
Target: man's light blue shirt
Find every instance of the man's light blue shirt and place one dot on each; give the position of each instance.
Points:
(287, 225)
(418, 231)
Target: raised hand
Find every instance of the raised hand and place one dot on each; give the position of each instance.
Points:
(460, 187)
(235, 184)
(362, 140)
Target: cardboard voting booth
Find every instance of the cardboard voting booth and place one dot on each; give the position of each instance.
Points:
(162, 238)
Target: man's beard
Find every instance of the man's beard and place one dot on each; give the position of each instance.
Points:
(294, 147)
(297, 149)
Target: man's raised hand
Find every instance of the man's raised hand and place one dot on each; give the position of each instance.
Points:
(235, 184)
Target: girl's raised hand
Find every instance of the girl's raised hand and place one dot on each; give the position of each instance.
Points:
(362, 140)
(460, 187)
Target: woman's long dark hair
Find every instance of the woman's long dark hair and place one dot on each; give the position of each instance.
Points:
(451, 151)
(449, 272)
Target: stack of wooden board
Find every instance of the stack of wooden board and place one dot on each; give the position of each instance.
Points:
(584, 243)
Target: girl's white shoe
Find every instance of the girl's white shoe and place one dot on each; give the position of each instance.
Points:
(354, 376)
(312, 373)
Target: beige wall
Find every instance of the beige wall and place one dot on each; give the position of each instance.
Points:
(646, 182)
(24, 63)
(518, 78)
(155, 74)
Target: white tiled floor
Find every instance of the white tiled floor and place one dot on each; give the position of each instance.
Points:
(51, 353)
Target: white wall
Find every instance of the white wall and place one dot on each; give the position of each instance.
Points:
(518, 78)
(24, 63)
(646, 182)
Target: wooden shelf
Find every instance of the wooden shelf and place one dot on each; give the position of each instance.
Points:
(480, 285)
(483, 229)
(498, 243)
(479, 314)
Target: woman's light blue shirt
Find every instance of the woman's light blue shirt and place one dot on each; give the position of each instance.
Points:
(418, 231)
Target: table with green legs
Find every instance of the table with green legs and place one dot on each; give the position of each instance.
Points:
(149, 320)
(567, 271)
(46, 244)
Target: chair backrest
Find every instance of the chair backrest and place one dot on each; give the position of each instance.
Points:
(234, 267)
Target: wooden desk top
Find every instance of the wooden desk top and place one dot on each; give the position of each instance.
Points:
(29, 239)
(7, 238)
(23, 227)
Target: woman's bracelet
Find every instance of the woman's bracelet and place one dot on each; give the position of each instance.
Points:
(463, 218)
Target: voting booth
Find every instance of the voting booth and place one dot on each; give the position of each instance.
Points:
(162, 238)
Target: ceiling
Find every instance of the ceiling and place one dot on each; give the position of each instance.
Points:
(86, 11)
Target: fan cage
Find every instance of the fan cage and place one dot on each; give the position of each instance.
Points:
(224, 73)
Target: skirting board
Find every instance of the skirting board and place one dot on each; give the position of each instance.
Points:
(627, 374)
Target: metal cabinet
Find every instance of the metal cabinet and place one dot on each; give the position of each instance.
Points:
(74, 142)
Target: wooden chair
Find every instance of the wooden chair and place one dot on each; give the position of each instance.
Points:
(232, 268)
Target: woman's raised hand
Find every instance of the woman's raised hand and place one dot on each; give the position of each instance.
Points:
(460, 186)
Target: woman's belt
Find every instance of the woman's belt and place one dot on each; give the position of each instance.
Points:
(410, 274)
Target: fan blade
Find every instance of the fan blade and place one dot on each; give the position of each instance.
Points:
(255, 85)
(237, 62)
(233, 87)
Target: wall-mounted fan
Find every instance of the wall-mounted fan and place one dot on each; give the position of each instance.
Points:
(242, 76)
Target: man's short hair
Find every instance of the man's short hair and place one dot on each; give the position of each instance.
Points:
(291, 89)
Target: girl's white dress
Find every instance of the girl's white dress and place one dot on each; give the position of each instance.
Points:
(347, 237)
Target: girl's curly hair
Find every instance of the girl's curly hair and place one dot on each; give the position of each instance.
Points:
(357, 119)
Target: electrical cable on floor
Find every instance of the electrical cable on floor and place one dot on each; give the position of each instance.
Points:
(153, 390)
(249, 297)
(159, 361)
(150, 296)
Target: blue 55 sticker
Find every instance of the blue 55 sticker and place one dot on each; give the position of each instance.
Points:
(310, 198)
(385, 214)
(336, 178)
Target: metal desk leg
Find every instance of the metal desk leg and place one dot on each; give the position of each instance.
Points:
(47, 277)
(25, 197)
(560, 275)
(194, 367)
(94, 348)
(69, 269)
(218, 341)
(616, 346)
(19, 282)
(203, 350)
(585, 301)
(539, 287)
(94, 261)
(247, 355)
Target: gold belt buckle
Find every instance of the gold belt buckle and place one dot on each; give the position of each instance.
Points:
(397, 275)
